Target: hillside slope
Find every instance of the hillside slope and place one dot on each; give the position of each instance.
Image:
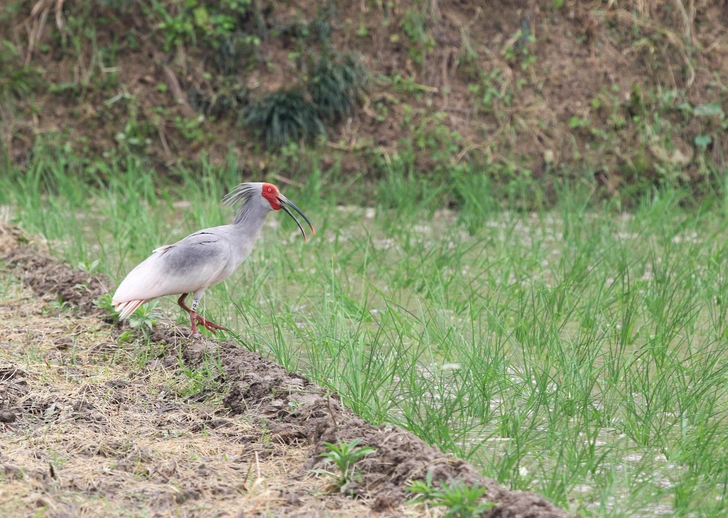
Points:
(630, 93)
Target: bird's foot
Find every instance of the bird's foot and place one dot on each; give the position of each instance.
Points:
(210, 326)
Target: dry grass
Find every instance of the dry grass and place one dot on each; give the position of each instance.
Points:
(95, 435)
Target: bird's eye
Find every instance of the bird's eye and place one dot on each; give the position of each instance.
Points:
(270, 190)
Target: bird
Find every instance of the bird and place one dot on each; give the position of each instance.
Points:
(206, 257)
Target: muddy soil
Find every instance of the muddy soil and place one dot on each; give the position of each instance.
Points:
(94, 424)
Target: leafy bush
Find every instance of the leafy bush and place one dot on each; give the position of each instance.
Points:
(209, 22)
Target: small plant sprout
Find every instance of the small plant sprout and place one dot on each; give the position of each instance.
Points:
(146, 317)
(104, 303)
(459, 499)
(60, 305)
(88, 267)
(344, 455)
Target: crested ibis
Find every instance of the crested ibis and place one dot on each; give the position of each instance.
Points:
(206, 257)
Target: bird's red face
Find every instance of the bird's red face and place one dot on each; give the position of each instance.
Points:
(271, 193)
(278, 201)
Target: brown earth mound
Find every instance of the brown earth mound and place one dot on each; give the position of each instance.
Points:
(47, 276)
(112, 433)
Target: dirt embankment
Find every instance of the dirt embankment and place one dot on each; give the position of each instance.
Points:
(632, 92)
(94, 424)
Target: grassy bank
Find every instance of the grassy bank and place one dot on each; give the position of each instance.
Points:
(624, 96)
(579, 352)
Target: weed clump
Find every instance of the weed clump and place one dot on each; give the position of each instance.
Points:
(284, 115)
(16, 80)
(225, 98)
(458, 499)
(335, 85)
(299, 112)
(344, 455)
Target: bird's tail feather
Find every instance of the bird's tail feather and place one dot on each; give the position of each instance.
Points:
(127, 308)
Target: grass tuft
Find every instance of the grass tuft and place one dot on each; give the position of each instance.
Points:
(335, 85)
(285, 115)
(16, 79)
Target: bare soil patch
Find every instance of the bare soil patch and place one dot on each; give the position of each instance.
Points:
(90, 424)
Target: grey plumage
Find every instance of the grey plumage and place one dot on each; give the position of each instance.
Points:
(241, 195)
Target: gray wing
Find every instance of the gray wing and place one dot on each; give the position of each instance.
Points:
(195, 262)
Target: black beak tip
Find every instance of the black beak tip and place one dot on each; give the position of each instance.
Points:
(285, 201)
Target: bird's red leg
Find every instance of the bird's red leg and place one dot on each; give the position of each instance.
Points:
(181, 302)
(193, 315)
(198, 319)
(193, 322)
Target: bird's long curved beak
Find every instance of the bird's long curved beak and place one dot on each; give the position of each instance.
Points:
(285, 203)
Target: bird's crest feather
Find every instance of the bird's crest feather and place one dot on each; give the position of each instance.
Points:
(241, 195)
